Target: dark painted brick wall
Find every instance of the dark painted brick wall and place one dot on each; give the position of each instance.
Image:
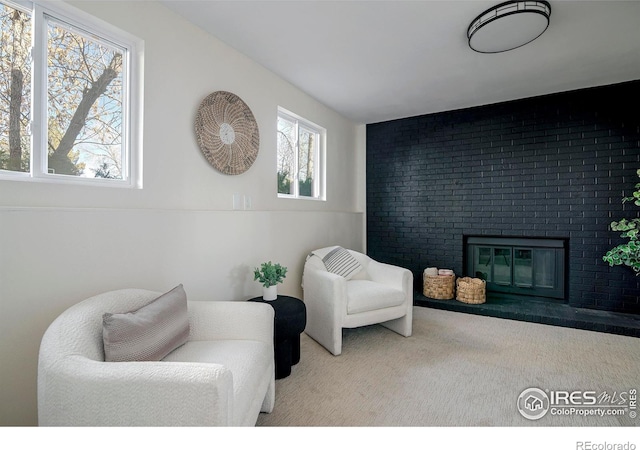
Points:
(550, 166)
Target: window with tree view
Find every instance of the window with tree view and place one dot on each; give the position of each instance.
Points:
(64, 96)
(15, 88)
(299, 157)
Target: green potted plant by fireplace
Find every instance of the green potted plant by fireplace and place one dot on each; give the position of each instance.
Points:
(269, 275)
(627, 254)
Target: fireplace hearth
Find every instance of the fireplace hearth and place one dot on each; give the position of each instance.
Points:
(540, 310)
(526, 280)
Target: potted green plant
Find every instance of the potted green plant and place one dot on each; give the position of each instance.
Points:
(627, 254)
(269, 275)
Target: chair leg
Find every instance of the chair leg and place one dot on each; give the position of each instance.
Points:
(403, 326)
(270, 399)
(332, 342)
(337, 342)
(324, 331)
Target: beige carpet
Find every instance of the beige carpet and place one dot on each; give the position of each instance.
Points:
(456, 370)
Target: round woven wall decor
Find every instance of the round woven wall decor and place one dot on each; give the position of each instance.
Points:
(227, 133)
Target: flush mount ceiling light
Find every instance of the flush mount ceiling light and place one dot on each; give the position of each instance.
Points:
(508, 25)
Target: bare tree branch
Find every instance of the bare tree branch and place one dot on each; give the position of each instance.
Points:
(79, 117)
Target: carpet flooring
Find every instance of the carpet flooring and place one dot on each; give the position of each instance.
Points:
(457, 369)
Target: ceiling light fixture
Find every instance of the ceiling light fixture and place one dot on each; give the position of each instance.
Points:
(508, 25)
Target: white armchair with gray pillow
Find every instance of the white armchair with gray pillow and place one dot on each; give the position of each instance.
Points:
(347, 289)
(139, 358)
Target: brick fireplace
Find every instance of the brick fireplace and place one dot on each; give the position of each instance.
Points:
(551, 167)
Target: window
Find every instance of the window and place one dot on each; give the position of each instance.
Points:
(300, 157)
(67, 97)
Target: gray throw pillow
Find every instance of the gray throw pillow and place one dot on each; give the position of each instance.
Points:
(149, 333)
(341, 262)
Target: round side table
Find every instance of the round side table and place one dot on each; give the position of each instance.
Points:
(290, 321)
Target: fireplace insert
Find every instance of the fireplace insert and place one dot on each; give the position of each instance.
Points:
(521, 266)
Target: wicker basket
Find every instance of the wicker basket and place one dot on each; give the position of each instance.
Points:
(471, 290)
(440, 287)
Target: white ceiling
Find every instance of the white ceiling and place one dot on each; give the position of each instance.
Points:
(374, 61)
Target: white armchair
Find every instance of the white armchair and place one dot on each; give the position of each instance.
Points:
(377, 293)
(223, 375)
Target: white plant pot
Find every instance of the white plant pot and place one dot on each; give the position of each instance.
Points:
(270, 293)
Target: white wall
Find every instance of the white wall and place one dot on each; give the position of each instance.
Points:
(60, 244)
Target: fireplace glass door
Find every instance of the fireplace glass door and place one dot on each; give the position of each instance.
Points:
(520, 266)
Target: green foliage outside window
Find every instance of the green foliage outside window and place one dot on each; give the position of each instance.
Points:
(306, 187)
(284, 183)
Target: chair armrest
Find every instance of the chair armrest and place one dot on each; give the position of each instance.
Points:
(394, 276)
(327, 289)
(77, 391)
(325, 297)
(213, 320)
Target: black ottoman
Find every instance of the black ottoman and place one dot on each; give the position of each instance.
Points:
(290, 321)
